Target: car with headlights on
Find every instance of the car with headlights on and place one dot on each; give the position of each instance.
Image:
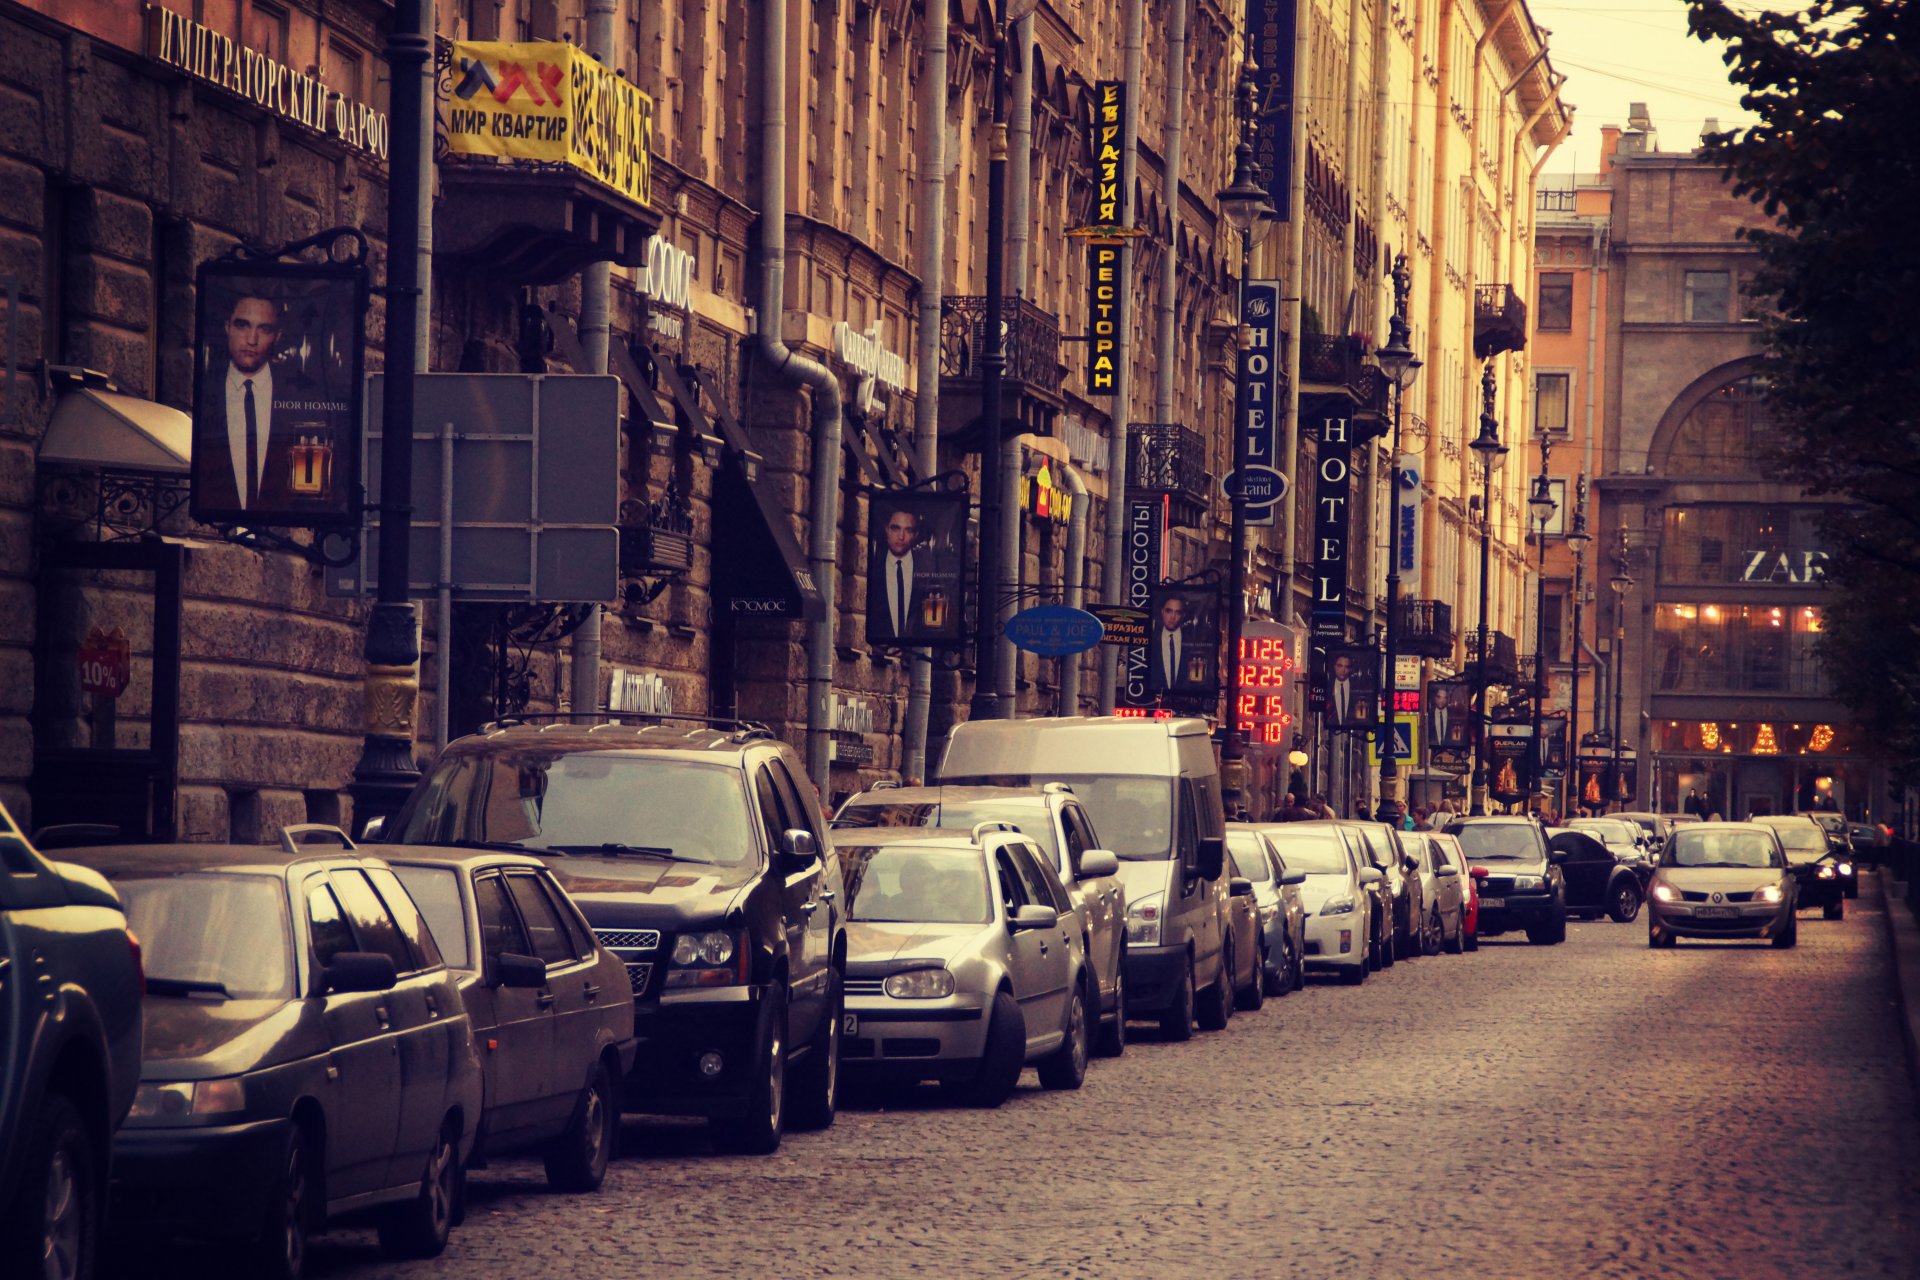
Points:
(1334, 894)
(1053, 817)
(1522, 887)
(1817, 866)
(1840, 841)
(548, 1002)
(1723, 880)
(1277, 906)
(308, 1057)
(964, 962)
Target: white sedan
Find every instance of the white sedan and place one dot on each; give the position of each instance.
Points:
(1334, 895)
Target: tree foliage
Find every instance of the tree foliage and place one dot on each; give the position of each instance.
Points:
(1833, 161)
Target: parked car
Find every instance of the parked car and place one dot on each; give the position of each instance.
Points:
(1470, 877)
(964, 962)
(68, 1068)
(1244, 934)
(1055, 820)
(1523, 887)
(1276, 897)
(1440, 889)
(1599, 881)
(550, 1004)
(1657, 826)
(699, 855)
(1723, 880)
(1380, 945)
(307, 1052)
(1625, 839)
(1333, 894)
(1154, 793)
(1870, 841)
(1793, 827)
(1401, 890)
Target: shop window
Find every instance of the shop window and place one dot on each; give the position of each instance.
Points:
(1555, 309)
(1709, 296)
(1750, 545)
(1737, 649)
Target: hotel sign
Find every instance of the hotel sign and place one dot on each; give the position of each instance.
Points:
(1333, 487)
(280, 90)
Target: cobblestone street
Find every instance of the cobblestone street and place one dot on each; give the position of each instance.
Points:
(1593, 1109)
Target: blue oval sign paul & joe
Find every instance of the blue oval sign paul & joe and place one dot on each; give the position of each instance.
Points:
(1054, 630)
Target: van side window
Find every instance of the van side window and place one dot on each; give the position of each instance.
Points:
(1187, 838)
(1209, 821)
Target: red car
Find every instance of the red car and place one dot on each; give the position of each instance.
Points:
(1470, 919)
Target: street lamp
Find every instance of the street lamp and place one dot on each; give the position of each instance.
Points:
(1622, 583)
(985, 704)
(1487, 445)
(1577, 542)
(1401, 366)
(1542, 506)
(1245, 206)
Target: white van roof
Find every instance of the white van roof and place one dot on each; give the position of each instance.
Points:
(1068, 745)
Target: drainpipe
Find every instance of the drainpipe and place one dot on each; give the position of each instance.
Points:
(596, 330)
(784, 362)
(1170, 193)
(926, 405)
(1006, 676)
(1115, 569)
(1292, 296)
(1076, 580)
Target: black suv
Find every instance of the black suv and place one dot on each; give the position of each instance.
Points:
(1521, 886)
(700, 857)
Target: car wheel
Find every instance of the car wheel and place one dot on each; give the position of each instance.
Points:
(1472, 942)
(1548, 933)
(1354, 976)
(1658, 937)
(1066, 1067)
(1276, 981)
(1005, 1056)
(577, 1160)
(1254, 994)
(1436, 934)
(758, 1129)
(1788, 938)
(1389, 943)
(52, 1227)
(1112, 1040)
(420, 1227)
(1853, 889)
(816, 1081)
(1835, 910)
(281, 1251)
(1216, 1006)
(1458, 942)
(1176, 1024)
(1626, 904)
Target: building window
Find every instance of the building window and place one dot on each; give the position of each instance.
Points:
(1556, 301)
(1730, 432)
(1708, 295)
(1557, 522)
(1550, 394)
(1553, 626)
(1738, 649)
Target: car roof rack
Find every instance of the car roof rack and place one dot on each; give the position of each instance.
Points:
(992, 824)
(1057, 788)
(594, 719)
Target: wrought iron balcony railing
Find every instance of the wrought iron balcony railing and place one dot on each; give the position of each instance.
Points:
(1029, 336)
(1425, 627)
(1499, 320)
(1167, 458)
(1503, 656)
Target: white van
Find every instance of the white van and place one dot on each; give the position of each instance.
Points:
(1154, 795)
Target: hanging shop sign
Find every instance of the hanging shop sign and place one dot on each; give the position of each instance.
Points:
(1053, 630)
(1333, 489)
(867, 356)
(1103, 318)
(277, 388)
(1144, 563)
(550, 101)
(1266, 683)
(1406, 485)
(642, 691)
(1449, 714)
(1509, 746)
(1106, 136)
(1183, 646)
(1347, 692)
(914, 567)
(666, 282)
(1043, 498)
(1270, 39)
(1123, 626)
(1257, 412)
(280, 90)
(105, 660)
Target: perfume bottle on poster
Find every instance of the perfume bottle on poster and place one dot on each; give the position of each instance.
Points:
(312, 462)
(1197, 667)
(933, 610)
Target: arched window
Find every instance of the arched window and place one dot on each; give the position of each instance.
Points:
(1730, 432)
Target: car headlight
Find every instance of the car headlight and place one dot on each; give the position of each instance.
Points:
(1846, 868)
(1770, 893)
(919, 984)
(1666, 893)
(1523, 883)
(711, 958)
(1143, 920)
(1337, 907)
(1828, 873)
(712, 948)
(188, 1099)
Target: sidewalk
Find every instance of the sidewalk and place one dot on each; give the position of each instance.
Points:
(1904, 937)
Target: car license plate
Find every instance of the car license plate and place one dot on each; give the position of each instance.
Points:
(1493, 902)
(850, 1024)
(1717, 913)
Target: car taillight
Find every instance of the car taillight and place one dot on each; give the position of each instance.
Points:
(139, 966)
(1478, 873)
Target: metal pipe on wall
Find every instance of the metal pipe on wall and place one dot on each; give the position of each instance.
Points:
(784, 362)
(1006, 675)
(1292, 298)
(1114, 563)
(926, 405)
(1170, 150)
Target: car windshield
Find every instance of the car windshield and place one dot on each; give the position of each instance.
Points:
(1314, 855)
(1609, 832)
(1133, 813)
(1801, 837)
(1498, 841)
(1030, 819)
(915, 884)
(618, 804)
(1720, 849)
(1249, 859)
(436, 891)
(212, 935)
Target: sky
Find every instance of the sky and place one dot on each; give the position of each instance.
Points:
(1618, 52)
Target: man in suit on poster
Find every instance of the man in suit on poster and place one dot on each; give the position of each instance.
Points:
(1349, 698)
(1180, 659)
(244, 418)
(891, 578)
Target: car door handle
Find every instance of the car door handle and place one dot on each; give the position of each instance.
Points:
(1043, 948)
(810, 908)
(544, 999)
(591, 991)
(826, 895)
(433, 1005)
(381, 1016)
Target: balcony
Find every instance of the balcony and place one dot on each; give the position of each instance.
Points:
(1030, 386)
(1337, 378)
(1425, 627)
(1499, 320)
(1503, 657)
(1166, 459)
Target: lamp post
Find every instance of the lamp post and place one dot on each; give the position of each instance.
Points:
(1622, 583)
(1577, 541)
(1401, 366)
(1541, 506)
(1245, 207)
(1487, 445)
(985, 704)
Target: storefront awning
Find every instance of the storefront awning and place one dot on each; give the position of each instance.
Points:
(759, 570)
(96, 428)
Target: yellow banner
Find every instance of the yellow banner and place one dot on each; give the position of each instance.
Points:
(549, 101)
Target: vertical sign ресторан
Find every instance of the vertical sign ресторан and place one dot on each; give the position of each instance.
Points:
(1271, 25)
(1258, 418)
(1104, 257)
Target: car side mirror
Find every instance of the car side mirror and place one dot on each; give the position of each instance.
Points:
(799, 846)
(1034, 917)
(513, 970)
(374, 829)
(1293, 877)
(1370, 875)
(1448, 870)
(361, 971)
(1213, 856)
(1240, 887)
(1556, 856)
(1095, 863)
